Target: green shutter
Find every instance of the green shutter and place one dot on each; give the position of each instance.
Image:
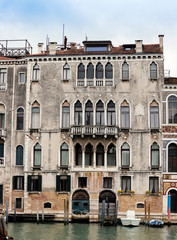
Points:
(57, 183)
(39, 183)
(29, 183)
(23, 182)
(14, 182)
(68, 183)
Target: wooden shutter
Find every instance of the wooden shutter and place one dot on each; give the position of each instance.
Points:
(14, 182)
(68, 183)
(57, 183)
(39, 183)
(29, 183)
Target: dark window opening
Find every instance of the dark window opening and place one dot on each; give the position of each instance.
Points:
(107, 182)
(126, 183)
(18, 203)
(82, 182)
(63, 183)
(153, 184)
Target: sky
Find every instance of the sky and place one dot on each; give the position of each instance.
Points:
(121, 21)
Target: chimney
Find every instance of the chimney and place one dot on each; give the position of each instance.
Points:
(52, 48)
(161, 40)
(73, 45)
(40, 47)
(139, 46)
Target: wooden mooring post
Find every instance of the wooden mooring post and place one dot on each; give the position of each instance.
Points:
(37, 208)
(42, 212)
(15, 211)
(66, 212)
(6, 211)
(149, 212)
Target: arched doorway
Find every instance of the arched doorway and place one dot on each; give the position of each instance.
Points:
(107, 203)
(173, 194)
(80, 202)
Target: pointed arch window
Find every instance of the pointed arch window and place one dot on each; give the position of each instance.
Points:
(100, 155)
(108, 71)
(125, 71)
(19, 155)
(37, 155)
(89, 113)
(35, 116)
(125, 115)
(65, 115)
(153, 70)
(155, 155)
(172, 157)
(66, 72)
(172, 109)
(90, 71)
(111, 114)
(81, 71)
(100, 113)
(2, 116)
(111, 155)
(78, 155)
(20, 118)
(36, 72)
(99, 71)
(154, 115)
(125, 155)
(78, 113)
(64, 155)
(89, 155)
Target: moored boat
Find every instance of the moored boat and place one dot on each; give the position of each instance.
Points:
(130, 220)
(156, 223)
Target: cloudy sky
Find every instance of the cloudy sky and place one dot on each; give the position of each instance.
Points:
(121, 21)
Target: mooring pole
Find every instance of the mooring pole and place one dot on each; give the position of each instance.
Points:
(42, 212)
(15, 211)
(169, 208)
(37, 212)
(6, 211)
(145, 212)
(149, 209)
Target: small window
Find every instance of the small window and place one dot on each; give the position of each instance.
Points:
(78, 155)
(36, 72)
(153, 70)
(125, 155)
(125, 71)
(63, 183)
(64, 154)
(100, 155)
(108, 71)
(82, 182)
(66, 72)
(140, 205)
(22, 78)
(65, 115)
(107, 182)
(18, 183)
(2, 116)
(111, 155)
(47, 205)
(90, 71)
(19, 155)
(111, 114)
(154, 184)
(78, 113)
(125, 115)
(35, 118)
(1, 194)
(37, 155)
(18, 203)
(154, 115)
(155, 155)
(34, 183)
(20, 118)
(89, 155)
(81, 71)
(100, 113)
(99, 71)
(1, 150)
(89, 113)
(3, 79)
(126, 183)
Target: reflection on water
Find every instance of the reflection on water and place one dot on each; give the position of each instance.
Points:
(76, 231)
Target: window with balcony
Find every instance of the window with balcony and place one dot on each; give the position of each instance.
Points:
(125, 156)
(18, 182)
(125, 71)
(172, 109)
(111, 155)
(108, 71)
(100, 155)
(36, 72)
(19, 155)
(81, 71)
(125, 115)
(89, 155)
(154, 184)
(82, 182)
(64, 155)
(66, 72)
(34, 183)
(154, 155)
(65, 115)
(63, 183)
(78, 114)
(172, 157)
(35, 116)
(126, 183)
(99, 71)
(153, 70)
(2, 116)
(154, 115)
(20, 118)
(107, 182)
(90, 71)
(89, 113)
(111, 114)
(3, 78)
(99, 113)
(1, 194)
(78, 154)
(37, 155)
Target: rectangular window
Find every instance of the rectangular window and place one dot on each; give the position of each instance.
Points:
(22, 78)
(125, 117)
(2, 120)
(34, 183)
(35, 118)
(18, 182)
(82, 182)
(107, 182)
(1, 194)
(63, 183)
(18, 203)
(1, 149)
(126, 183)
(154, 112)
(153, 184)
(3, 78)
(65, 117)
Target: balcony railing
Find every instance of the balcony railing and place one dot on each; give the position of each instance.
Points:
(94, 82)
(94, 130)
(3, 133)
(2, 86)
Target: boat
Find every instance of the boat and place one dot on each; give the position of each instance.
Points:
(130, 220)
(156, 223)
(3, 230)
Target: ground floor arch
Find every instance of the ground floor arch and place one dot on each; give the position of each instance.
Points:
(80, 202)
(173, 194)
(107, 204)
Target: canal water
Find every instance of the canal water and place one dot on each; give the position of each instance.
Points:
(76, 231)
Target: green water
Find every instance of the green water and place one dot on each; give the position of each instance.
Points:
(76, 231)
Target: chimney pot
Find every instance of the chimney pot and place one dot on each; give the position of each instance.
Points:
(40, 47)
(139, 46)
(52, 48)
(161, 40)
